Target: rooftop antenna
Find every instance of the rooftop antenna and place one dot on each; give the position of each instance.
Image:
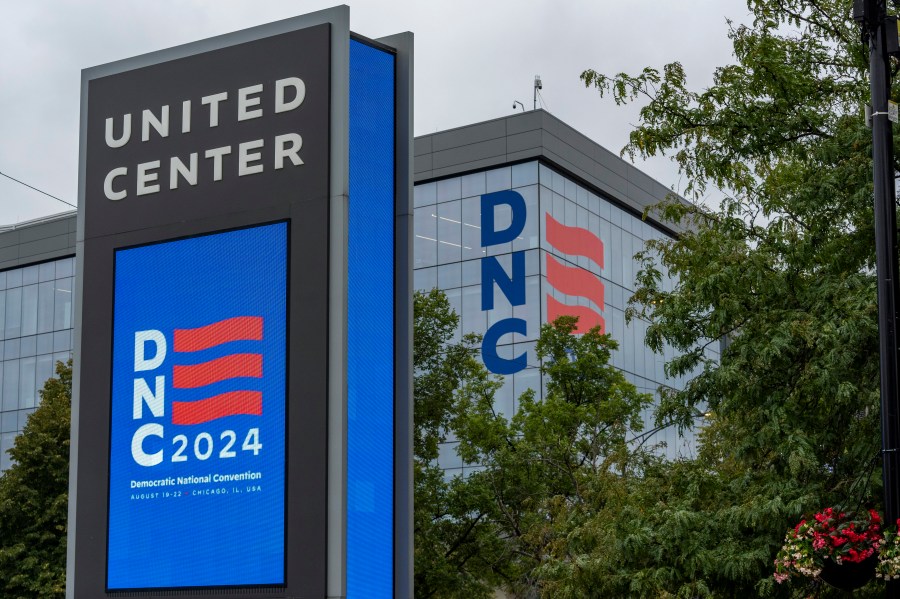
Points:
(537, 86)
(522, 106)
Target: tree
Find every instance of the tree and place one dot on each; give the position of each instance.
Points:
(783, 272)
(556, 462)
(455, 545)
(34, 498)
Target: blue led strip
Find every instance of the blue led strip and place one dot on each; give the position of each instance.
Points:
(370, 328)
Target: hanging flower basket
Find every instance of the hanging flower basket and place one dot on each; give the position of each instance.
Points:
(836, 547)
(848, 576)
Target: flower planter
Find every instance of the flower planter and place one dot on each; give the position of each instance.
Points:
(848, 576)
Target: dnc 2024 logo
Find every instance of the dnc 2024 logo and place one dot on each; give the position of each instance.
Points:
(151, 350)
(567, 279)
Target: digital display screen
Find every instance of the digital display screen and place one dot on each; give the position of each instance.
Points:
(197, 446)
(370, 325)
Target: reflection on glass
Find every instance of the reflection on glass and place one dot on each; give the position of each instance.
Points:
(27, 390)
(46, 293)
(29, 308)
(13, 312)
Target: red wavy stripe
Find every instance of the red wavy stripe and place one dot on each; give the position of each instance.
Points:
(574, 241)
(587, 318)
(240, 328)
(572, 280)
(207, 373)
(233, 403)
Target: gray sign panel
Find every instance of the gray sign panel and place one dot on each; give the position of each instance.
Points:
(192, 144)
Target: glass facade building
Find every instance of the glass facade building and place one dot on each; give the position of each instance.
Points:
(557, 244)
(36, 319)
(450, 255)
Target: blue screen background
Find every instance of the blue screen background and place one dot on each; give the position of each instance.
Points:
(188, 540)
(370, 331)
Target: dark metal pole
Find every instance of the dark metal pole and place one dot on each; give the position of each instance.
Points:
(887, 272)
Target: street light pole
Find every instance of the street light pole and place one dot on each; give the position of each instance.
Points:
(880, 31)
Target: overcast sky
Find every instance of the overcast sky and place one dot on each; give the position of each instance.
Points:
(473, 58)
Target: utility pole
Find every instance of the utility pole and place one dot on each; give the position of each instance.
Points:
(879, 31)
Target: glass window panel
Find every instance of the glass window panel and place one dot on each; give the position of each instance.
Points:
(23, 417)
(594, 227)
(425, 279)
(571, 217)
(559, 183)
(30, 275)
(3, 280)
(44, 343)
(425, 242)
(473, 319)
(29, 309)
(605, 209)
(570, 187)
(28, 346)
(449, 275)
(62, 305)
(9, 423)
(473, 185)
(502, 308)
(582, 221)
(626, 221)
(425, 194)
(46, 292)
(471, 228)
(471, 273)
(524, 174)
(449, 189)
(530, 236)
(618, 326)
(14, 278)
(46, 271)
(11, 385)
(593, 203)
(581, 195)
(2, 314)
(449, 232)
(12, 348)
(498, 179)
(530, 312)
(27, 389)
(13, 312)
(6, 443)
(559, 208)
(532, 262)
(504, 401)
(614, 262)
(61, 357)
(62, 341)
(65, 268)
(545, 176)
(608, 249)
(447, 456)
(43, 370)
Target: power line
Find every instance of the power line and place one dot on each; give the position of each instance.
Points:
(38, 190)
